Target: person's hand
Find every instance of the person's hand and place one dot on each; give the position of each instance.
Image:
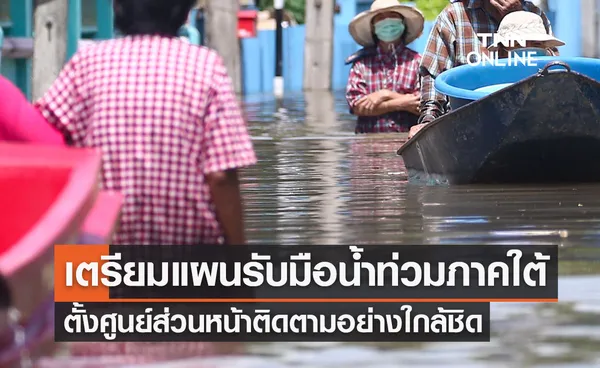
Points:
(504, 7)
(373, 100)
(411, 103)
(415, 129)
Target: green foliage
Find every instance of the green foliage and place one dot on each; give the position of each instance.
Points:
(430, 8)
(296, 7)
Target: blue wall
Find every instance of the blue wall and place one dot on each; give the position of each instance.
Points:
(566, 23)
(258, 53)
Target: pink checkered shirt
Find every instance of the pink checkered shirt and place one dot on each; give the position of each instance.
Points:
(164, 115)
(383, 71)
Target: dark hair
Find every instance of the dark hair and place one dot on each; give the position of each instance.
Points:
(160, 17)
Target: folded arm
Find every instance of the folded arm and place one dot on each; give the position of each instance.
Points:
(390, 101)
(363, 103)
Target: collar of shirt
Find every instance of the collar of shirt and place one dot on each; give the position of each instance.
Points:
(387, 54)
(387, 51)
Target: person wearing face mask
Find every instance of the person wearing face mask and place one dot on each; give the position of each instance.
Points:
(454, 36)
(383, 85)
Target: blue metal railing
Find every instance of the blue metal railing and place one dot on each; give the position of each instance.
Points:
(21, 16)
(20, 24)
(191, 33)
(190, 29)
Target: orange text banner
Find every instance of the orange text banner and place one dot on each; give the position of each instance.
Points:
(67, 259)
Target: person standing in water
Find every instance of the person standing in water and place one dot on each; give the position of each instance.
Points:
(167, 121)
(383, 86)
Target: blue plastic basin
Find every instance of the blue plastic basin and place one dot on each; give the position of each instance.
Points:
(467, 83)
(493, 88)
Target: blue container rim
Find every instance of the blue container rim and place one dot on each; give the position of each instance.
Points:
(442, 86)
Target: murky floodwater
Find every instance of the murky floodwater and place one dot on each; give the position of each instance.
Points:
(318, 183)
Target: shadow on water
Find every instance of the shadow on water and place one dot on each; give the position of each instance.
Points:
(318, 183)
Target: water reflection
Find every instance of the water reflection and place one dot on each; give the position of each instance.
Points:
(333, 187)
(318, 183)
(328, 158)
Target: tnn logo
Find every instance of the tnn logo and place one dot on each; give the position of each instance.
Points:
(506, 41)
(513, 59)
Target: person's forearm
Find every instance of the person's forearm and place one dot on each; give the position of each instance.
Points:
(432, 103)
(395, 104)
(429, 112)
(395, 95)
(225, 191)
(384, 108)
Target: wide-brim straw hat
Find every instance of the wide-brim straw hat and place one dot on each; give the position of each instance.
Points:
(360, 27)
(526, 26)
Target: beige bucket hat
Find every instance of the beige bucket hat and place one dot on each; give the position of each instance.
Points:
(360, 27)
(524, 25)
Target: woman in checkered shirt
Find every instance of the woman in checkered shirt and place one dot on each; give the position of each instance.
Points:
(165, 117)
(383, 86)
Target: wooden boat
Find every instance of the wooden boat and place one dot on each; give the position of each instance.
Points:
(512, 124)
(46, 194)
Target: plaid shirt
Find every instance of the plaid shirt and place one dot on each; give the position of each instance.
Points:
(164, 115)
(384, 71)
(453, 37)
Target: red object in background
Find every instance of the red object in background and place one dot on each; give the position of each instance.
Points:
(45, 194)
(247, 20)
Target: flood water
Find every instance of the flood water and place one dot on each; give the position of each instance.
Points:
(318, 183)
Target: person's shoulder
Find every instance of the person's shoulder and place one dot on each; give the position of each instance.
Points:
(452, 8)
(207, 62)
(361, 55)
(88, 50)
(92, 52)
(410, 53)
(204, 54)
(531, 7)
(411, 57)
(209, 66)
